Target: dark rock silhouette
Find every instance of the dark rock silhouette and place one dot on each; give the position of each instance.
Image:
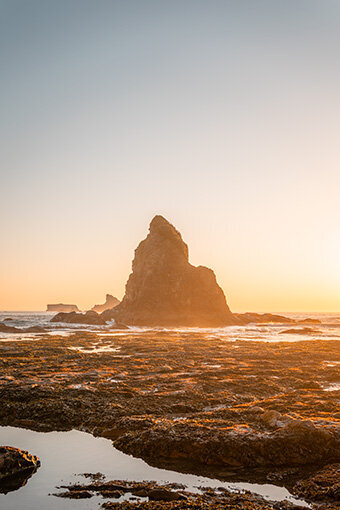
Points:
(309, 321)
(164, 289)
(303, 331)
(8, 329)
(89, 317)
(263, 318)
(12, 329)
(110, 303)
(60, 307)
(16, 466)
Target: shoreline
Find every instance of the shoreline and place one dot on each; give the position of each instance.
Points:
(182, 399)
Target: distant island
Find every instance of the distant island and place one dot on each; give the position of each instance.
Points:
(61, 307)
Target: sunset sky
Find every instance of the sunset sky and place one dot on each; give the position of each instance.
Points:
(221, 115)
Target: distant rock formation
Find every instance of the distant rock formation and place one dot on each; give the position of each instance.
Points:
(12, 329)
(89, 317)
(60, 307)
(110, 302)
(309, 321)
(164, 289)
(303, 331)
(263, 318)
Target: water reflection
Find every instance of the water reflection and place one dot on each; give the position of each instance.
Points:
(64, 455)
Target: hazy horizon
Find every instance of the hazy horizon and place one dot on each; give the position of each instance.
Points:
(222, 116)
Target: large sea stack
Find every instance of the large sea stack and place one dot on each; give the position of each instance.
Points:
(164, 289)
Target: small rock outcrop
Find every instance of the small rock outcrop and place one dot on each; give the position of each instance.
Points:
(110, 302)
(309, 320)
(324, 485)
(164, 289)
(16, 466)
(12, 329)
(263, 318)
(60, 307)
(302, 331)
(90, 317)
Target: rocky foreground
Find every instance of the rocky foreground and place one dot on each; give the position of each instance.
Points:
(153, 496)
(16, 467)
(240, 410)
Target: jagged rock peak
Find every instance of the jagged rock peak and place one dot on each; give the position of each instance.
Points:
(162, 228)
(165, 289)
(110, 302)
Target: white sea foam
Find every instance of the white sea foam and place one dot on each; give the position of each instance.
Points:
(329, 329)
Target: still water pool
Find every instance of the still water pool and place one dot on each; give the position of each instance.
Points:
(66, 455)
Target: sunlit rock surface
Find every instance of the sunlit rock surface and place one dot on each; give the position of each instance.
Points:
(164, 289)
(189, 398)
(16, 466)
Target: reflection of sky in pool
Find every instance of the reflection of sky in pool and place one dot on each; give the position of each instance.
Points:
(64, 455)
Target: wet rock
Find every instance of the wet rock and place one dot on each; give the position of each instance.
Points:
(90, 317)
(302, 331)
(309, 321)
(8, 329)
(164, 495)
(154, 394)
(170, 496)
(34, 329)
(271, 418)
(16, 466)
(263, 318)
(321, 486)
(255, 409)
(164, 289)
(286, 446)
(300, 426)
(74, 495)
(11, 329)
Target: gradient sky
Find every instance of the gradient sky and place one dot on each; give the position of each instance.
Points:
(223, 116)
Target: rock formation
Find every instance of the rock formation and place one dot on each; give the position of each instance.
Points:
(12, 329)
(16, 466)
(89, 317)
(164, 289)
(263, 318)
(110, 303)
(60, 307)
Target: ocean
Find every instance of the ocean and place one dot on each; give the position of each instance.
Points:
(328, 329)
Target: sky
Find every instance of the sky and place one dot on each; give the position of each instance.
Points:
(221, 115)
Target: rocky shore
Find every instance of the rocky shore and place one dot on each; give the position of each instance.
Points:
(16, 467)
(151, 495)
(191, 401)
